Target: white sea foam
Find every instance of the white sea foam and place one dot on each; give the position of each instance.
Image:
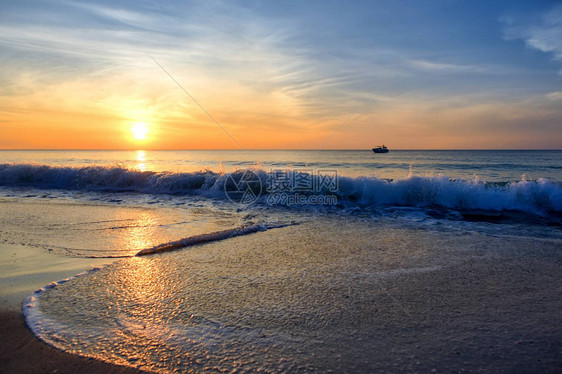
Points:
(209, 237)
(537, 196)
(35, 319)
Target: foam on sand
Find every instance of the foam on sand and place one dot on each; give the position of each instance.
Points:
(208, 237)
(330, 294)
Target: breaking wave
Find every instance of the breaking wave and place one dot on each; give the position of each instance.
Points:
(539, 196)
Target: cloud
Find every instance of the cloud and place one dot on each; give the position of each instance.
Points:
(445, 68)
(554, 96)
(207, 46)
(544, 34)
(257, 68)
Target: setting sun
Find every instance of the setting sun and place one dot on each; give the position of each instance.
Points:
(139, 131)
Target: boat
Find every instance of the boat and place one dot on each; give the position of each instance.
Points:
(380, 149)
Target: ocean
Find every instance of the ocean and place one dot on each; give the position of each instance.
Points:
(295, 261)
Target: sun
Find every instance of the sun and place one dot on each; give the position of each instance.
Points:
(139, 130)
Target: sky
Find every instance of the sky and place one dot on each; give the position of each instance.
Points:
(256, 74)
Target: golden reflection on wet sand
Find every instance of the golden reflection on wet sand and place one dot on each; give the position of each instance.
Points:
(142, 233)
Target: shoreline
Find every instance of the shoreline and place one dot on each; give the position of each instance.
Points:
(416, 300)
(23, 270)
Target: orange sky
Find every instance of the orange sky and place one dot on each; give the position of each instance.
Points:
(82, 78)
(101, 115)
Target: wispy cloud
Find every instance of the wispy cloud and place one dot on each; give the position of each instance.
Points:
(266, 60)
(544, 34)
(441, 67)
(263, 68)
(554, 96)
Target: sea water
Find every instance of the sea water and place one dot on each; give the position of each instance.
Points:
(527, 181)
(347, 272)
(489, 165)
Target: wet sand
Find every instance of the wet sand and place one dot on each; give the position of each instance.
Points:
(333, 295)
(23, 270)
(22, 353)
(418, 300)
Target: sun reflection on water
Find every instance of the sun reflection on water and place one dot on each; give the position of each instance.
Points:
(140, 234)
(144, 289)
(141, 161)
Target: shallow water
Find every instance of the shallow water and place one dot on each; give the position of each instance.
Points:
(86, 229)
(349, 295)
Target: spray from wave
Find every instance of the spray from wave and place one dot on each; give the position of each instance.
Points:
(541, 196)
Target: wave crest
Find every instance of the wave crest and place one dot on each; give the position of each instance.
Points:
(540, 196)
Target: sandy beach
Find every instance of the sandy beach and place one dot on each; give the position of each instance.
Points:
(379, 297)
(21, 352)
(23, 270)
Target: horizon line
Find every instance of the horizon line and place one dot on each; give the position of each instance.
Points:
(276, 149)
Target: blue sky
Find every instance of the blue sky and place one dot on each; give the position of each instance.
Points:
(439, 74)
